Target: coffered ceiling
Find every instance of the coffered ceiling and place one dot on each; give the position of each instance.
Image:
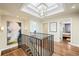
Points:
(33, 9)
(42, 9)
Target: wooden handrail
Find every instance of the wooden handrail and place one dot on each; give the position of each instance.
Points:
(39, 46)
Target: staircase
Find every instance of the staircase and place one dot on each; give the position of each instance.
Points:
(38, 44)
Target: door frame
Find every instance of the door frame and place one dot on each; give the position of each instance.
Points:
(61, 33)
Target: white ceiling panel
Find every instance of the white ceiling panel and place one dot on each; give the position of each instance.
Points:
(42, 9)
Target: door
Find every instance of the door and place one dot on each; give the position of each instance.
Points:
(45, 28)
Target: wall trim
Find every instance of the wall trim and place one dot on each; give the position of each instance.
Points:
(74, 44)
(9, 47)
(58, 40)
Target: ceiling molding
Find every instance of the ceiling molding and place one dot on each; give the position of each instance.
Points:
(42, 9)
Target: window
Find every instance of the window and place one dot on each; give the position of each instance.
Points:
(34, 26)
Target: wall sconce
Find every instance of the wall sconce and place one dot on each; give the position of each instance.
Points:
(1, 28)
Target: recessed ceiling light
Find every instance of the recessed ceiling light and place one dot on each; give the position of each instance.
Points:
(73, 6)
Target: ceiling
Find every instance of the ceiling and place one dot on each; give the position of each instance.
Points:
(42, 9)
(16, 9)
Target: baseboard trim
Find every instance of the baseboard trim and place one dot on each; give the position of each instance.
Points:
(58, 40)
(8, 50)
(9, 47)
(74, 44)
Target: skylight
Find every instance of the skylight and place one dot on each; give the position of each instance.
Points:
(42, 9)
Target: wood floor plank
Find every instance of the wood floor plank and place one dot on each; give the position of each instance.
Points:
(17, 52)
(60, 49)
(65, 49)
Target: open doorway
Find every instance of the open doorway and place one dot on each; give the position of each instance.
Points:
(45, 28)
(66, 30)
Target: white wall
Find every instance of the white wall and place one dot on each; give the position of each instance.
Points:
(26, 25)
(35, 24)
(25, 29)
(75, 31)
(0, 34)
(56, 34)
(75, 27)
(3, 34)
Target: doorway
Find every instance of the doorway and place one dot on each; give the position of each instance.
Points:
(45, 28)
(67, 32)
(66, 29)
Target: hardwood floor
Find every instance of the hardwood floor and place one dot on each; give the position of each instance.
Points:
(60, 49)
(9, 50)
(17, 52)
(65, 49)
